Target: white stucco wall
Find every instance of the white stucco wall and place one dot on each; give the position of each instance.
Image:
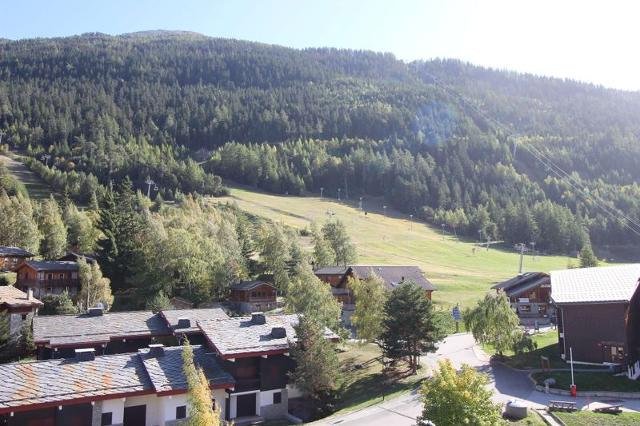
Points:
(293, 392)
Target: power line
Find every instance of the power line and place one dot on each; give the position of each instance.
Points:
(612, 212)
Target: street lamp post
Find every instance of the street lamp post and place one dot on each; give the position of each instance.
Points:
(410, 222)
(360, 203)
(339, 189)
(442, 231)
(384, 209)
(321, 190)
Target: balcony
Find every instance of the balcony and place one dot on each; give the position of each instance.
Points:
(45, 283)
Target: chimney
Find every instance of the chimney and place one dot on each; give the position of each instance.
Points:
(30, 294)
(85, 354)
(184, 323)
(96, 311)
(258, 318)
(156, 350)
(278, 332)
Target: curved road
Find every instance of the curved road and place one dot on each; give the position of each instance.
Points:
(461, 349)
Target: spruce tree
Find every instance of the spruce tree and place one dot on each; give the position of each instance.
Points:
(410, 327)
(587, 258)
(317, 369)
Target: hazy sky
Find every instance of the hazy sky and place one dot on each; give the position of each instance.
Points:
(590, 41)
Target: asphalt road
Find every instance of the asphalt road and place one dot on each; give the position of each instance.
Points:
(507, 384)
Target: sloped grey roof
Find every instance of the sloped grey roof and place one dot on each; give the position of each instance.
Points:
(14, 251)
(60, 330)
(66, 379)
(607, 284)
(52, 265)
(14, 298)
(172, 315)
(394, 275)
(523, 282)
(237, 336)
(166, 371)
(60, 380)
(331, 270)
(248, 285)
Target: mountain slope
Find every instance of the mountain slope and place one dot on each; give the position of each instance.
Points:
(146, 104)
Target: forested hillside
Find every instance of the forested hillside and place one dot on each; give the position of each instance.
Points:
(292, 121)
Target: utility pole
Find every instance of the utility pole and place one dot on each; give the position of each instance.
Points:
(522, 247)
(149, 182)
(339, 189)
(46, 158)
(533, 249)
(360, 203)
(410, 222)
(442, 224)
(384, 209)
(321, 190)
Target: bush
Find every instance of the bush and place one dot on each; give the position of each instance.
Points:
(525, 344)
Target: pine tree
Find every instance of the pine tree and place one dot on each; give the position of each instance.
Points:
(410, 327)
(587, 258)
(201, 411)
(317, 372)
(54, 232)
(26, 346)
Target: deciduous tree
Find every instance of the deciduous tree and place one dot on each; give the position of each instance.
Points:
(492, 321)
(370, 296)
(54, 232)
(201, 411)
(453, 398)
(335, 232)
(94, 288)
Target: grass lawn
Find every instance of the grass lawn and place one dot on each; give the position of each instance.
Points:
(461, 273)
(547, 346)
(586, 381)
(586, 418)
(365, 383)
(533, 419)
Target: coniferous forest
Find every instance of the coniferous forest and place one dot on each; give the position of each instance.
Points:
(190, 112)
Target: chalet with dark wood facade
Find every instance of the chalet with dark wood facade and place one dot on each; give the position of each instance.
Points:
(392, 276)
(253, 296)
(598, 313)
(74, 257)
(145, 388)
(48, 277)
(255, 351)
(20, 306)
(12, 257)
(530, 297)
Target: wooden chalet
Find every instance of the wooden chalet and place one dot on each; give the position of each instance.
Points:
(598, 313)
(253, 296)
(530, 296)
(12, 257)
(391, 275)
(50, 277)
(74, 257)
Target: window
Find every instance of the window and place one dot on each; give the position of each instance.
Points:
(525, 308)
(181, 412)
(277, 397)
(107, 419)
(24, 317)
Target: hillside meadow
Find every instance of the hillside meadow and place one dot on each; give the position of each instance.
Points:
(461, 273)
